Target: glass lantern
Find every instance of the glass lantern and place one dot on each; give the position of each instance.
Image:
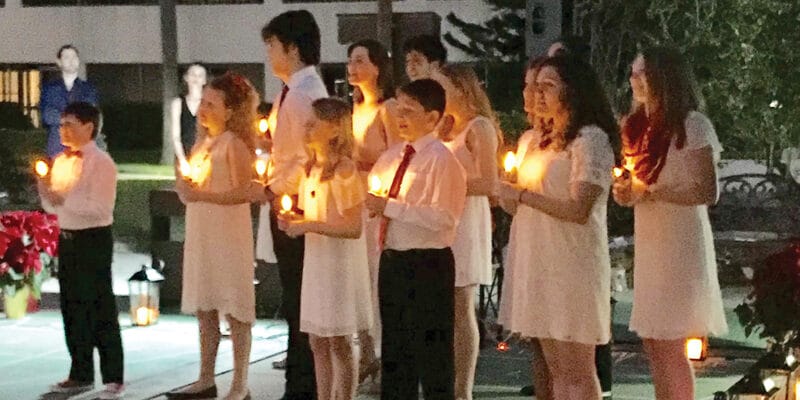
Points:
(143, 288)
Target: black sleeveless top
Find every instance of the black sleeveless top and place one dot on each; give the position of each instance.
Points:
(188, 127)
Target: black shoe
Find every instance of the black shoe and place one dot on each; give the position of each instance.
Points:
(210, 393)
(527, 390)
(298, 396)
(280, 364)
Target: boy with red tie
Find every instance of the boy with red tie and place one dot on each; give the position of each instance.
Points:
(426, 194)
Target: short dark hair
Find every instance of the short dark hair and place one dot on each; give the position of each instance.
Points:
(296, 28)
(426, 92)
(84, 112)
(66, 47)
(379, 57)
(429, 46)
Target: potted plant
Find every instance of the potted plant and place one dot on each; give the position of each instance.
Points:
(28, 246)
(773, 305)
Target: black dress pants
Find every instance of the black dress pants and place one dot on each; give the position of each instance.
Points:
(88, 307)
(417, 311)
(300, 378)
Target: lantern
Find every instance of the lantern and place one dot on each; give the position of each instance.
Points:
(143, 289)
(696, 348)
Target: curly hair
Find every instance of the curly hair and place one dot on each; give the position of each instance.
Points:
(242, 99)
(672, 95)
(341, 146)
(585, 99)
(466, 81)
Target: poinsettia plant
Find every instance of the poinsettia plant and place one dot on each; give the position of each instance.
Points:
(28, 246)
(773, 305)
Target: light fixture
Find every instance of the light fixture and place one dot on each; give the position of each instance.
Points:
(697, 348)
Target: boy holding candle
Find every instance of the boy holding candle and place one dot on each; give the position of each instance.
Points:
(425, 198)
(292, 41)
(81, 190)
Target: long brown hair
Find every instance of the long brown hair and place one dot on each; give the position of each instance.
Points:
(380, 58)
(672, 96)
(242, 99)
(585, 99)
(338, 112)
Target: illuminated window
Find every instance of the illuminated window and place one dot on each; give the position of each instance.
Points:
(20, 85)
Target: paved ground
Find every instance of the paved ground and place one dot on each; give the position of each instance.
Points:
(165, 356)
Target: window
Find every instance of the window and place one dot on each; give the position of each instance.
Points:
(19, 84)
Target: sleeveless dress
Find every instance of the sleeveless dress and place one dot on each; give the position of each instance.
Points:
(218, 260)
(561, 270)
(472, 247)
(675, 268)
(335, 296)
(188, 127)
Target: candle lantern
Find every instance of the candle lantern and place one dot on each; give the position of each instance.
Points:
(143, 289)
(697, 348)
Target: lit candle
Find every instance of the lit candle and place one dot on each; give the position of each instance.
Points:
(375, 185)
(510, 166)
(263, 126)
(186, 169)
(618, 172)
(286, 204)
(142, 316)
(503, 346)
(41, 168)
(261, 168)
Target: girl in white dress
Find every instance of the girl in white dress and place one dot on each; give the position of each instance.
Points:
(474, 139)
(218, 250)
(374, 130)
(672, 150)
(558, 247)
(335, 302)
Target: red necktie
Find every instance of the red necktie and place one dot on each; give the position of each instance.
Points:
(72, 153)
(284, 91)
(394, 190)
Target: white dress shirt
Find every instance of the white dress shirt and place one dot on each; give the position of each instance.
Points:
(432, 194)
(88, 184)
(288, 148)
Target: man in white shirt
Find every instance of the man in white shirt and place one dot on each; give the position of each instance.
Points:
(81, 189)
(426, 194)
(292, 41)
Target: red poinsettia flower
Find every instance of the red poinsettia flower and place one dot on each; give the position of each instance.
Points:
(24, 236)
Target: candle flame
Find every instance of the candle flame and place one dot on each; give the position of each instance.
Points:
(263, 126)
(510, 161)
(145, 316)
(375, 184)
(286, 203)
(503, 346)
(185, 168)
(41, 168)
(629, 164)
(261, 167)
(618, 172)
(696, 348)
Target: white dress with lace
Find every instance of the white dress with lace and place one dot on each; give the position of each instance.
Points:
(472, 248)
(335, 296)
(561, 270)
(218, 257)
(675, 269)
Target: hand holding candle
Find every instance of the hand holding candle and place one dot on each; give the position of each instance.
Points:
(510, 166)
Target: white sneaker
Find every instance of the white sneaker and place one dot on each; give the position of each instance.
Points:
(113, 391)
(71, 387)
